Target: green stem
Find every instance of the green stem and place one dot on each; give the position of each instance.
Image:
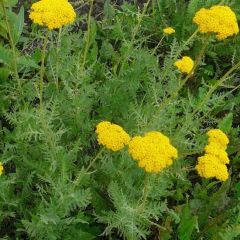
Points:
(165, 73)
(94, 159)
(136, 29)
(146, 191)
(153, 8)
(175, 94)
(123, 60)
(57, 63)
(158, 45)
(10, 36)
(87, 43)
(197, 61)
(63, 171)
(48, 136)
(42, 70)
(215, 86)
(209, 94)
(218, 219)
(80, 174)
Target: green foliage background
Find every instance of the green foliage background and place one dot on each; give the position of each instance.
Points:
(47, 190)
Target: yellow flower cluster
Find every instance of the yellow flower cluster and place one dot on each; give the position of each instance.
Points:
(169, 30)
(153, 152)
(213, 163)
(218, 19)
(1, 168)
(185, 65)
(112, 136)
(52, 13)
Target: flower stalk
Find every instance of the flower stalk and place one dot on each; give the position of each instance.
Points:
(81, 174)
(42, 69)
(10, 36)
(208, 95)
(87, 40)
(58, 51)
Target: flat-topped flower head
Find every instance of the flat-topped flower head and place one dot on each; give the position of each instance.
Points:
(153, 152)
(220, 20)
(1, 168)
(169, 30)
(208, 167)
(213, 163)
(219, 137)
(185, 65)
(52, 13)
(112, 136)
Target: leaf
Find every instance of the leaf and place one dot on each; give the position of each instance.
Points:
(5, 56)
(109, 10)
(16, 23)
(220, 198)
(27, 61)
(4, 73)
(3, 29)
(18, 27)
(117, 30)
(36, 56)
(93, 52)
(226, 123)
(106, 51)
(187, 224)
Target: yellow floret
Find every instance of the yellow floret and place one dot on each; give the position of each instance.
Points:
(219, 137)
(52, 13)
(153, 152)
(169, 30)
(1, 168)
(218, 19)
(112, 136)
(185, 65)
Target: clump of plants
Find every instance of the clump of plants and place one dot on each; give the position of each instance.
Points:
(123, 125)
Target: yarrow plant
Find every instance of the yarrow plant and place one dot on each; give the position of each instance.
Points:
(52, 13)
(153, 151)
(127, 67)
(220, 20)
(111, 136)
(185, 65)
(213, 163)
